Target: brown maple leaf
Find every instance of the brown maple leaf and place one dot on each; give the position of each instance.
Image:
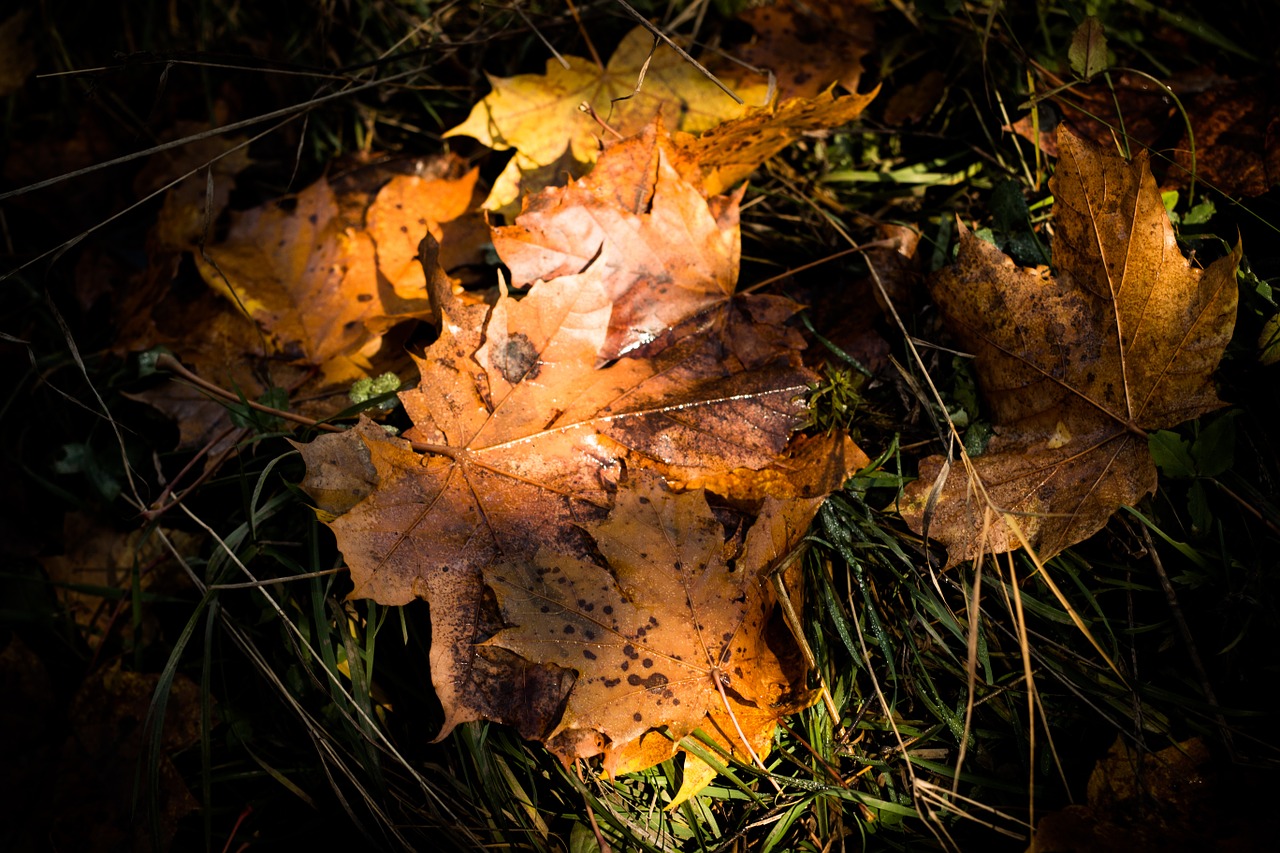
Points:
(527, 438)
(521, 436)
(1077, 365)
(671, 634)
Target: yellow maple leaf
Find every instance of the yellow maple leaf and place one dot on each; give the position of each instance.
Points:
(539, 115)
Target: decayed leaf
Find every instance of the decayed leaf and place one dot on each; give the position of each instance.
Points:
(1079, 365)
(183, 219)
(809, 45)
(521, 439)
(671, 634)
(17, 58)
(538, 114)
(94, 577)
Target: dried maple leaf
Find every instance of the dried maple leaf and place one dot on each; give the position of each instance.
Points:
(286, 272)
(539, 115)
(527, 439)
(671, 634)
(521, 435)
(1079, 365)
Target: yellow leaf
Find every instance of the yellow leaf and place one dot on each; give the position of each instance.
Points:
(539, 115)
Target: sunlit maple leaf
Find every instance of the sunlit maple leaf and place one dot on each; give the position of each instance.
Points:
(672, 254)
(309, 279)
(1077, 365)
(521, 436)
(332, 293)
(539, 115)
(672, 634)
(525, 440)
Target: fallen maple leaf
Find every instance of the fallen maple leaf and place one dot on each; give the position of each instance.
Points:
(539, 115)
(670, 634)
(522, 434)
(527, 439)
(1077, 366)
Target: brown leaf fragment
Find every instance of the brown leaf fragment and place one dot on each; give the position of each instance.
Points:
(809, 45)
(309, 280)
(1078, 365)
(407, 208)
(669, 635)
(733, 150)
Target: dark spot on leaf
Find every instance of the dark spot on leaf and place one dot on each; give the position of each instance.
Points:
(656, 682)
(630, 651)
(569, 629)
(647, 663)
(588, 654)
(626, 665)
(516, 358)
(612, 682)
(364, 297)
(608, 609)
(636, 716)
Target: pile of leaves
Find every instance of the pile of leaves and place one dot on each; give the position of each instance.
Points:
(562, 411)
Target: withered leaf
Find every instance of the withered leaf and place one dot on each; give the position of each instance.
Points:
(809, 45)
(522, 433)
(529, 438)
(670, 634)
(1077, 365)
